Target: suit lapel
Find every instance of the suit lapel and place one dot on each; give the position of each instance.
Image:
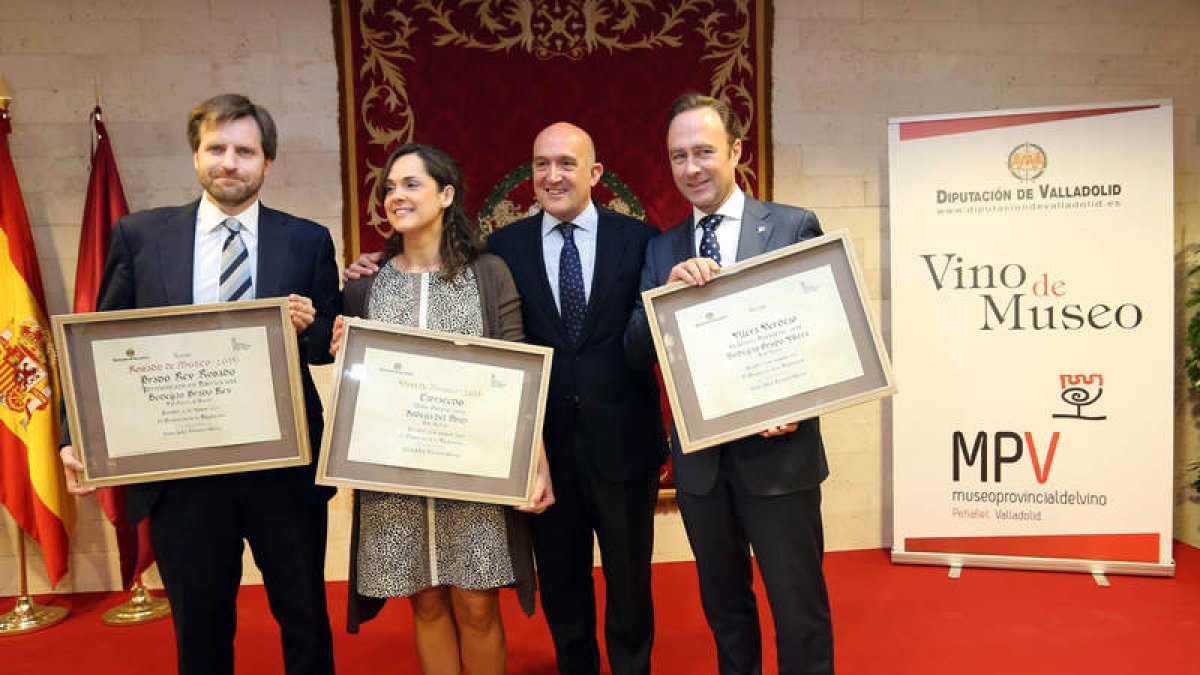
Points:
(756, 229)
(531, 240)
(610, 247)
(176, 248)
(683, 246)
(272, 255)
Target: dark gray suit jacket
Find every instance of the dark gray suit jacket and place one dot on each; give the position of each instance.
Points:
(765, 466)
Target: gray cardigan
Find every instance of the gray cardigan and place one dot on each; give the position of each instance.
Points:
(502, 320)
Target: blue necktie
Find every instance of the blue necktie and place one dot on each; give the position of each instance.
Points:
(709, 247)
(235, 264)
(571, 302)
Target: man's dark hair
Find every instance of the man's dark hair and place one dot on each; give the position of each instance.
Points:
(693, 101)
(227, 108)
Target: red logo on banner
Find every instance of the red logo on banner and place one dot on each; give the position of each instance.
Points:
(1027, 161)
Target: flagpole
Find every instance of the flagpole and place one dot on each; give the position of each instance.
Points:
(141, 606)
(27, 616)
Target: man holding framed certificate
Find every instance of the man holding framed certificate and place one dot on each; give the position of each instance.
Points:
(228, 247)
(761, 491)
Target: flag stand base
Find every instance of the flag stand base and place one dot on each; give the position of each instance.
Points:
(141, 608)
(28, 616)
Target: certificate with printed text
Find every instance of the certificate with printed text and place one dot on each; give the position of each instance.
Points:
(759, 344)
(183, 391)
(410, 415)
(775, 339)
(161, 393)
(435, 414)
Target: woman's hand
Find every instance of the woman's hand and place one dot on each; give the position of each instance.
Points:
(780, 430)
(543, 488)
(335, 343)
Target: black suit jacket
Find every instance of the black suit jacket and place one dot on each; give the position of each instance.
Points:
(765, 466)
(616, 405)
(150, 265)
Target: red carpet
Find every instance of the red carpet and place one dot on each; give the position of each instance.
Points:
(887, 619)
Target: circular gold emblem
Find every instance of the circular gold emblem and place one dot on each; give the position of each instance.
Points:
(1027, 161)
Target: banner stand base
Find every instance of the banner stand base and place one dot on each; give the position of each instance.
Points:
(1097, 568)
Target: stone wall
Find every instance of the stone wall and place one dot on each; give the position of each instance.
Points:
(841, 69)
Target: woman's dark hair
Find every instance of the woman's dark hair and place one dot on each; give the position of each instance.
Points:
(461, 243)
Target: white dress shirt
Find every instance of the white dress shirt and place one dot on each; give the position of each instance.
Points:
(206, 257)
(729, 231)
(586, 225)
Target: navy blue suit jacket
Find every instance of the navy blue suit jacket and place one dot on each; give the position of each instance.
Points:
(616, 405)
(765, 466)
(150, 265)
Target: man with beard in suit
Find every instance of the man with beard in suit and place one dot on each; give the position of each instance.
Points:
(225, 247)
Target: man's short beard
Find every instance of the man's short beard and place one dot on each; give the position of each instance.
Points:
(241, 195)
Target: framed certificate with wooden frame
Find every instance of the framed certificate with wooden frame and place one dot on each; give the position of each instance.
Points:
(182, 391)
(435, 414)
(771, 340)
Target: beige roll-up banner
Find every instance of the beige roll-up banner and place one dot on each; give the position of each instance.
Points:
(1032, 333)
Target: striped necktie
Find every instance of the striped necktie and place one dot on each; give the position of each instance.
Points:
(236, 283)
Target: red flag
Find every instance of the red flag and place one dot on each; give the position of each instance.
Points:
(32, 486)
(105, 205)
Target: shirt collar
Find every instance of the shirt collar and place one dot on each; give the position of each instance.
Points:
(588, 220)
(732, 209)
(209, 217)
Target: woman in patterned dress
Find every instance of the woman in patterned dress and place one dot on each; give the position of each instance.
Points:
(448, 557)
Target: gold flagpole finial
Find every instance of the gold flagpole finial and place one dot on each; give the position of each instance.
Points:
(5, 97)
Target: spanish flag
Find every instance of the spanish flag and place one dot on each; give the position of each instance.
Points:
(32, 487)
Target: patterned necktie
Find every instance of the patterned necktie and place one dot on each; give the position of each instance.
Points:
(235, 264)
(709, 247)
(571, 302)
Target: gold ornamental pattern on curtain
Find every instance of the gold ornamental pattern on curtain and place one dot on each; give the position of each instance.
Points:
(480, 78)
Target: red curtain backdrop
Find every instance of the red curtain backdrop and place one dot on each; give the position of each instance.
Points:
(479, 79)
(104, 206)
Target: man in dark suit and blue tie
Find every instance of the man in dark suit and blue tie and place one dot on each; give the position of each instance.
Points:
(577, 268)
(761, 492)
(224, 247)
